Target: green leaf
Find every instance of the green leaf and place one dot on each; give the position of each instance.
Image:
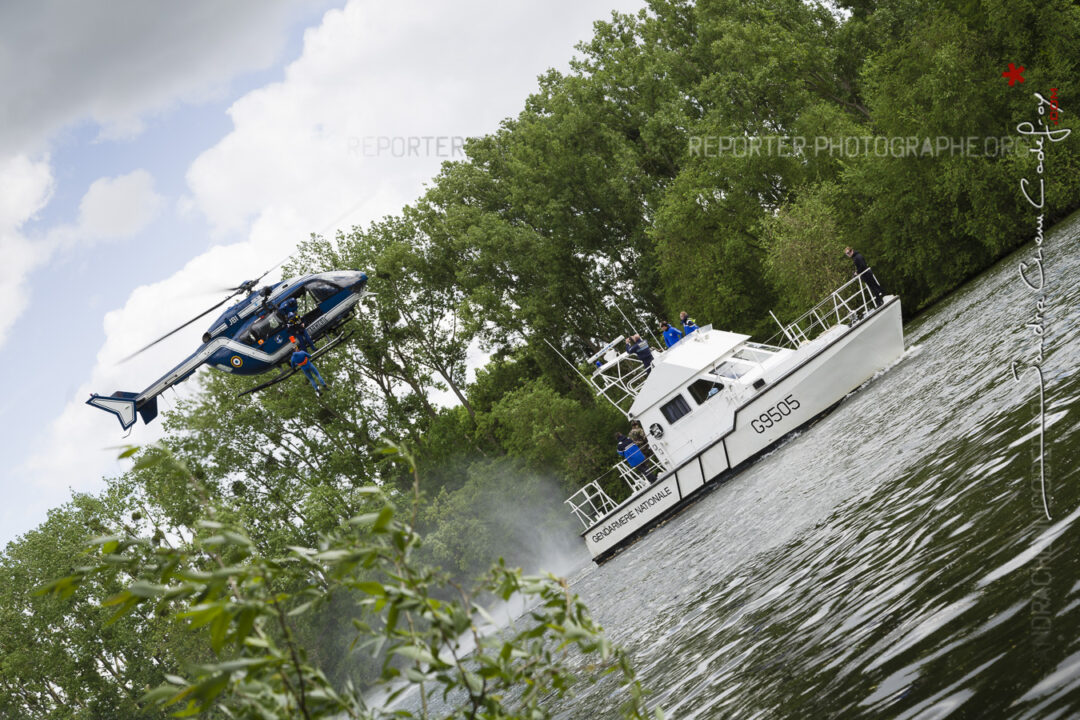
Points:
(219, 628)
(371, 587)
(415, 653)
(383, 519)
(144, 589)
(301, 609)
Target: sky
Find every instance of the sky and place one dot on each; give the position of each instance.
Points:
(152, 154)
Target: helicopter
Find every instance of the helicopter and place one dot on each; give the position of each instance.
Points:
(253, 336)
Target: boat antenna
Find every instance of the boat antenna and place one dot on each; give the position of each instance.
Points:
(632, 328)
(572, 366)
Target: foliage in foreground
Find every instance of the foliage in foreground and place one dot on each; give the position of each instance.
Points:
(451, 649)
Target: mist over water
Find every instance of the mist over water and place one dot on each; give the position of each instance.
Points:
(894, 560)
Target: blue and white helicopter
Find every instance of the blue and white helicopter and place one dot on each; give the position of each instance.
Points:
(253, 335)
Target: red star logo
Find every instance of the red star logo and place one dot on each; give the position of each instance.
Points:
(1015, 74)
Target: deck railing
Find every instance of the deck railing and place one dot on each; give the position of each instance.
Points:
(848, 304)
(591, 502)
(619, 376)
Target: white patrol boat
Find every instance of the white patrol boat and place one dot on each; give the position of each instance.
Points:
(715, 400)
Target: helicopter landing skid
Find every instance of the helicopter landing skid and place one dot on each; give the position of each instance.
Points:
(289, 372)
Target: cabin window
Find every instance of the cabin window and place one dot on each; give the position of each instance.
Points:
(261, 329)
(675, 409)
(732, 369)
(754, 355)
(703, 389)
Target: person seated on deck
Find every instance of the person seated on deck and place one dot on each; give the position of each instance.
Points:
(634, 457)
(671, 335)
(640, 349)
(688, 325)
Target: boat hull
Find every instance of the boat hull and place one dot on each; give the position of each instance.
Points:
(847, 357)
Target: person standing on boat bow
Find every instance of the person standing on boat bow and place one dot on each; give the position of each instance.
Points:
(863, 272)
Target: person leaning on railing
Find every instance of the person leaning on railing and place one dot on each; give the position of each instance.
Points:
(863, 272)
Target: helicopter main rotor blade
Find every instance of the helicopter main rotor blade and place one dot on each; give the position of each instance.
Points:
(181, 327)
(246, 286)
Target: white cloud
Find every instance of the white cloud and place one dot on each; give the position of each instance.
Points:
(119, 207)
(111, 208)
(25, 188)
(114, 62)
(304, 157)
(378, 74)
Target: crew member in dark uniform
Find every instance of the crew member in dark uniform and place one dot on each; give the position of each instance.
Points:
(863, 272)
(640, 349)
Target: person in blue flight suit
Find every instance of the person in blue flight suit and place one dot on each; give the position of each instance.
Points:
(288, 308)
(302, 360)
(633, 456)
(671, 335)
(688, 325)
(298, 333)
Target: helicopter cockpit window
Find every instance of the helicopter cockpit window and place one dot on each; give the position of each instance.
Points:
(322, 290)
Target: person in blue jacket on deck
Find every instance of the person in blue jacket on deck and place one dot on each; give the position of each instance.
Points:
(633, 455)
(688, 325)
(302, 360)
(671, 335)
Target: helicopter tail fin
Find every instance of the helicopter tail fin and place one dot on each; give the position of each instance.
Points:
(124, 406)
(148, 410)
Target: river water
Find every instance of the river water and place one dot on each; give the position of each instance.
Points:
(893, 560)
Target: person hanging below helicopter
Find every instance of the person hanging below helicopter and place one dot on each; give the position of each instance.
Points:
(302, 360)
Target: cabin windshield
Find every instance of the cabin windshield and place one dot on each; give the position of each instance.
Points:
(322, 290)
(755, 355)
(732, 369)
